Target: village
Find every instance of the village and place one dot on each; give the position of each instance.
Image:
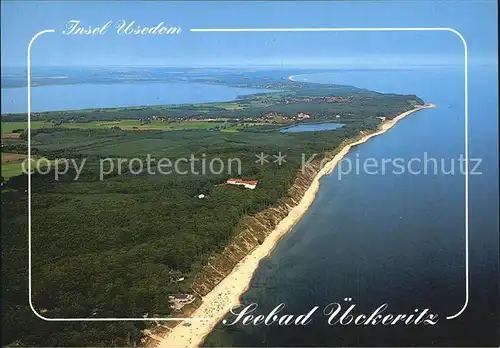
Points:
(267, 117)
(333, 99)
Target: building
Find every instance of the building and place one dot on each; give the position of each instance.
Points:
(182, 298)
(250, 184)
(179, 301)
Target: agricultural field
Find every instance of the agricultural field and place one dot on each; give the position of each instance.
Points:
(11, 169)
(13, 164)
(8, 127)
(141, 125)
(237, 127)
(129, 125)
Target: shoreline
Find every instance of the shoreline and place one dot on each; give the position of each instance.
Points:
(225, 295)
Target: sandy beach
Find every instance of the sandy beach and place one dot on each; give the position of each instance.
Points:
(227, 293)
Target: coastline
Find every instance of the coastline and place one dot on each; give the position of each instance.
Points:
(225, 295)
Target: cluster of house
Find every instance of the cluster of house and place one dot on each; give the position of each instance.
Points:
(250, 184)
(315, 99)
(179, 301)
(197, 118)
(271, 116)
(158, 118)
(267, 117)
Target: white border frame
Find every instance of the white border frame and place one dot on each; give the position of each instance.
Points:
(466, 301)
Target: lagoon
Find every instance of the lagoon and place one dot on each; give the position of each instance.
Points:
(312, 127)
(89, 96)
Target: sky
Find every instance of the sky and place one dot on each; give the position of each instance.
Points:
(475, 19)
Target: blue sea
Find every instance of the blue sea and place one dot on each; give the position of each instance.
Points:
(395, 239)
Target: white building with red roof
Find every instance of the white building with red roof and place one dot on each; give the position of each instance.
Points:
(250, 184)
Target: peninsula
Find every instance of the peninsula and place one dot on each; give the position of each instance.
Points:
(133, 245)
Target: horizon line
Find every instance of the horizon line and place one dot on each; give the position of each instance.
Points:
(199, 66)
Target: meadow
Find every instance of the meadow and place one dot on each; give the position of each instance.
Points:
(11, 169)
(14, 164)
(9, 127)
(132, 125)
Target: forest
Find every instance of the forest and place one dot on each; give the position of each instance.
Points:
(115, 247)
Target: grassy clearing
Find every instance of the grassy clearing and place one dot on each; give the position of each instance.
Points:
(8, 127)
(236, 127)
(12, 157)
(12, 164)
(163, 126)
(11, 169)
(195, 125)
